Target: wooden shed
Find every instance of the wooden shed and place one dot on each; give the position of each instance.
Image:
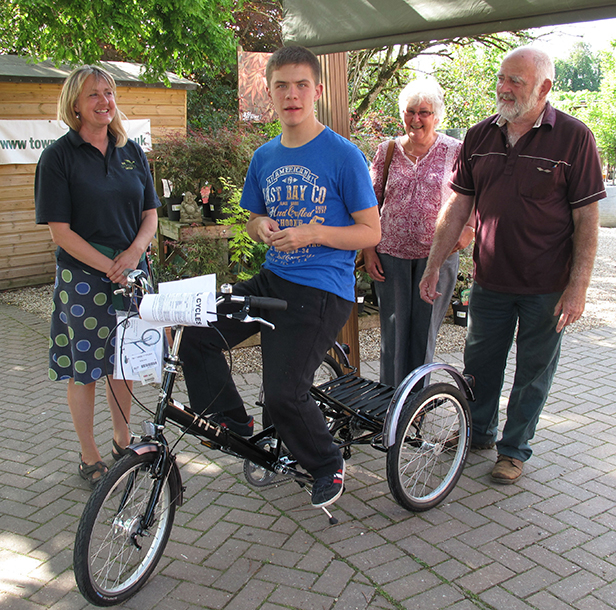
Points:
(29, 91)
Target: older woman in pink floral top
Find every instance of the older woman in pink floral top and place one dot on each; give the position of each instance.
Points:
(417, 187)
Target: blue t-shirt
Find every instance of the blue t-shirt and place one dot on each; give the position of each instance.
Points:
(324, 182)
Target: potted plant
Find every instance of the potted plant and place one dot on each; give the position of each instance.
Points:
(461, 293)
(176, 163)
(199, 159)
(364, 289)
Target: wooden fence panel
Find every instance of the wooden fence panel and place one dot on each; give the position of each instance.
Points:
(26, 250)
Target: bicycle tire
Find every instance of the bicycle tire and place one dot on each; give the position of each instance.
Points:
(329, 369)
(109, 566)
(431, 446)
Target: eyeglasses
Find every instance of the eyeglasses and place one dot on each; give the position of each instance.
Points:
(422, 114)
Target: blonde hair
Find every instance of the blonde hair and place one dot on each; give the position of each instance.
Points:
(71, 90)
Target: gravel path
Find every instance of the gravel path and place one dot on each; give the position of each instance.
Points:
(600, 310)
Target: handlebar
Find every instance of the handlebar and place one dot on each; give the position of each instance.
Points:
(135, 278)
(252, 301)
(137, 284)
(248, 301)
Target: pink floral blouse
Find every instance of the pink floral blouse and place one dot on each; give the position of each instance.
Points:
(413, 197)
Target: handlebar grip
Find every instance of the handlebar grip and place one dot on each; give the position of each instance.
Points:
(268, 303)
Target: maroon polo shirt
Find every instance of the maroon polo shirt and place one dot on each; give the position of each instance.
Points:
(524, 197)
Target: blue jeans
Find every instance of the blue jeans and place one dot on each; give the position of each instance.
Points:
(492, 323)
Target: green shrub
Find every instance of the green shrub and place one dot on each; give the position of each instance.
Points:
(245, 255)
(204, 157)
(199, 256)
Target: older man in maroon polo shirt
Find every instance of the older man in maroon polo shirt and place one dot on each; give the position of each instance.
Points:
(534, 176)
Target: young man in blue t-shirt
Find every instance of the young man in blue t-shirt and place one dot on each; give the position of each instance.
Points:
(311, 200)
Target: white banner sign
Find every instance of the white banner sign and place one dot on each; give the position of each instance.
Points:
(24, 141)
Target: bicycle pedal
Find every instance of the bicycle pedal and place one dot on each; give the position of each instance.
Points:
(210, 445)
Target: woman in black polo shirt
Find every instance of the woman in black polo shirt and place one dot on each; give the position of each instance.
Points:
(94, 189)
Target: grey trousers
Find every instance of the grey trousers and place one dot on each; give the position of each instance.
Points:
(409, 326)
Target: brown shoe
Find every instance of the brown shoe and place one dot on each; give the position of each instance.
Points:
(507, 470)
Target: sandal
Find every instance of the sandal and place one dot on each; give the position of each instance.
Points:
(117, 453)
(88, 472)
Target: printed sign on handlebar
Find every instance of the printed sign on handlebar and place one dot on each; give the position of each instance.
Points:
(188, 309)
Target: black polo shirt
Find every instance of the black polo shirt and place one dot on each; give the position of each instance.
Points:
(102, 198)
(524, 196)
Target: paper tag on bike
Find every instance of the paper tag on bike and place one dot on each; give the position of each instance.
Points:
(189, 309)
(138, 350)
(145, 365)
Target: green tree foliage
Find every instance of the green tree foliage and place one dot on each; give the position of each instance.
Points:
(575, 103)
(468, 78)
(377, 75)
(179, 35)
(257, 28)
(581, 71)
(214, 105)
(601, 116)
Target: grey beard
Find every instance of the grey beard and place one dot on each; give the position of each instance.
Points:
(518, 110)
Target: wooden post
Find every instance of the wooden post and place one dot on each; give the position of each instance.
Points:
(333, 107)
(333, 111)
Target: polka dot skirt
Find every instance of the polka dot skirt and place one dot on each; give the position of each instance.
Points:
(83, 317)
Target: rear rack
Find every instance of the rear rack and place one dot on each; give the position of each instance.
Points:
(363, 397)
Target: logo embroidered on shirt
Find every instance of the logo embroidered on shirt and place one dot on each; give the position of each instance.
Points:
(128, 164)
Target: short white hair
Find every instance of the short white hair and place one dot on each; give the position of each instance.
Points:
(543, 62)
(423, 90)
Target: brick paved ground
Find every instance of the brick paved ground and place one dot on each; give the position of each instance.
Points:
(547, 543)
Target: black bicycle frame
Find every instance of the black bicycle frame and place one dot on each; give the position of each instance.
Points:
(201, 427)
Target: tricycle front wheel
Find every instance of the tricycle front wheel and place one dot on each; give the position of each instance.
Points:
(115, 550)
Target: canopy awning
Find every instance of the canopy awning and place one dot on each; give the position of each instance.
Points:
(330, 26)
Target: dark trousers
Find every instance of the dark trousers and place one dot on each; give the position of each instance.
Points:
(493, 317)
(409, 326)
(291, 354)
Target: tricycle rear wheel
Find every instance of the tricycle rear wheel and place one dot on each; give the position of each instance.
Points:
(431, 446)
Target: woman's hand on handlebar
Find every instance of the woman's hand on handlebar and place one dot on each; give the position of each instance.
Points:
(129, 259)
